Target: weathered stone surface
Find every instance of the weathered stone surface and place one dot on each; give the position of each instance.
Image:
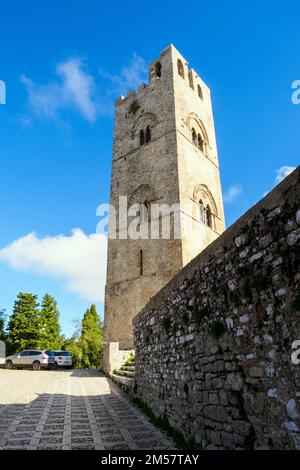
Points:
(233, 384)
(170, 169)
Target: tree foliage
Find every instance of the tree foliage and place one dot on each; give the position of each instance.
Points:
(49, 323)
(86, 344)
(24, 326)
(2, 325)
(34, 326)
(91, 338)
(31, 327)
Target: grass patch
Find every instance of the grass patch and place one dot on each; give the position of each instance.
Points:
(242, 270)
(163, 425)
(259, 281)
(130, 360)
(200, 314)
(216, 328)
(166, 324)
(296, 303)
(185, 317)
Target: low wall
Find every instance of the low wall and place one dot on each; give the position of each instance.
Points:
(213, 348)
(113, 357)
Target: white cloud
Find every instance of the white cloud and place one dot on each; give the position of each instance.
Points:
(130, 76)
(232, 193)
(79, 260)
(282, 172)
(74, 88)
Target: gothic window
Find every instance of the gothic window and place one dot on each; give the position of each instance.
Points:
(208, 211)
(194, 136)
(200, 94)
(191, 81)
(142, 137)
(180, 68)
(200, 143)
(148, 134)
(158, 69)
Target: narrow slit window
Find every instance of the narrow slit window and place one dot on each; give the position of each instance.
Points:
(194, 136)
(141, 263)
(158, 69)
(200, 94)
(200, 143)
(148, 134)
(180, 68)
(142, 137)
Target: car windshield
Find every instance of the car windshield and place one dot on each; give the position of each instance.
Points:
(62, 353)
(50, 353)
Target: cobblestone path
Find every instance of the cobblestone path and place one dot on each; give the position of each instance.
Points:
(71, 410)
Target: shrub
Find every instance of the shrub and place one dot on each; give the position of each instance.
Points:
(216, 328)
(134, 107)
(185, 317)
(166, 323)
(200, 314)
(296, 303)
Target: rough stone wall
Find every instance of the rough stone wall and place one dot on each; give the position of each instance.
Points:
(213, 348)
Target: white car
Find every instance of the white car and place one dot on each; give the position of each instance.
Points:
(60, 359)
(34, 358)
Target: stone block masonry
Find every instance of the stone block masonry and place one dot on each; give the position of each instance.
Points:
(213, 347)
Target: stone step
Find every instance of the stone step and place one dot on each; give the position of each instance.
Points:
(125, 373)
(122, 380)
(131, 368)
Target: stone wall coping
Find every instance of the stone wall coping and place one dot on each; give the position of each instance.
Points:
(272, 200)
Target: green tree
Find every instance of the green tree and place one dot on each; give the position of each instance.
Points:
(2, 325)
(73, 346)
(24, 323)
(91, 338)
(49, 324)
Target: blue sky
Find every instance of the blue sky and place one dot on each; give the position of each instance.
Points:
(56, 143)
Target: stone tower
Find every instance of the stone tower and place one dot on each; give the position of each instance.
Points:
(164, 153)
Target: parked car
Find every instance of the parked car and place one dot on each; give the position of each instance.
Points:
(35, 358)
(59, 359)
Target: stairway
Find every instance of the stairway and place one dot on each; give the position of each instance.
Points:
(125, 376)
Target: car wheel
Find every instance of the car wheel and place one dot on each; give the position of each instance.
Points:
(36, 365)
(8, 365)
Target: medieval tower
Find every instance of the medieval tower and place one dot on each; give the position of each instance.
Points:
(164, 153)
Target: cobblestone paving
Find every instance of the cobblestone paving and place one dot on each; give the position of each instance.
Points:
(70, 410)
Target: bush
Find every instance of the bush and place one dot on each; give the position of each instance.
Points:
(217, 328)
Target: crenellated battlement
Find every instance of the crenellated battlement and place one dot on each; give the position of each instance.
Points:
(170, 61)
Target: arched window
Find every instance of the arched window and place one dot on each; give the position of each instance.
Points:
(200, 94)
(142, 137)
(194, 136)
(206, 206)
(200, 143)
(202, 212)
(180, 68)
(191, 81)
(158, 69)
(209, 216)
(148, 134)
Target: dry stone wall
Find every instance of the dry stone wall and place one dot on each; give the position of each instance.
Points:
(213, 348)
